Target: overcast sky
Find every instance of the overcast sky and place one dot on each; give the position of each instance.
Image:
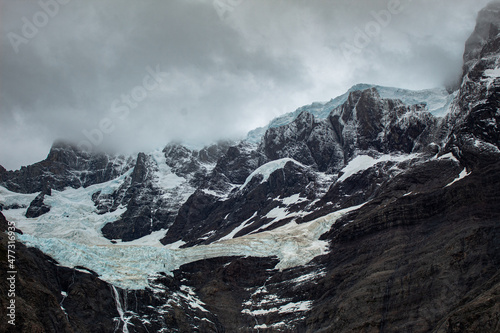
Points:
(134, 75)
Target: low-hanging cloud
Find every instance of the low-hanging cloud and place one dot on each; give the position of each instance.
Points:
(223, 67)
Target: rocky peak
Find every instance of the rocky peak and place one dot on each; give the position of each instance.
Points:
(304, 124)
(66, 153)
(237, 163)
(212, 153)
(65, 165)
(141, 169)
(360, 119)
(368, 122)
(307, 140)
(175, 151)
(362, 104)
(194, 164)
(37, 206)
(475, 117)
(487, 27)
(364, 122)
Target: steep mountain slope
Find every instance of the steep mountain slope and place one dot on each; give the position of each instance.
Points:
(312, 153)
(364, 214)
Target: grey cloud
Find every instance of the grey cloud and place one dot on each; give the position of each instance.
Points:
(221, 77)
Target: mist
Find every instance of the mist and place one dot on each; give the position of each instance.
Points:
(131, 76)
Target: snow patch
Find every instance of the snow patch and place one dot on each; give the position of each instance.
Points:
(261, 327)
(308, 277)
(222, 195)
(176, 245)
(461, 176)
(491, 75)
(287, 308)
(267, 169)
(448, 156)
(296, 307)
(151, 239)
(494, 73)
(9, 198)
(364, 162)
(294, 199)
(239, 228)
(164, 176)
(189, 296)
(277, 214)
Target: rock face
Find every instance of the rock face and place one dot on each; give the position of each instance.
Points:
(37, 206)
(412, 250)
(367, 122)
(156, 189)
(144, 213)
(421, 253)
(487, 28)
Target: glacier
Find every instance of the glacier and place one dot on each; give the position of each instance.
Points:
(70, 233)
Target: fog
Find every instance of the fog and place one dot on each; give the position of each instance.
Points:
(131, 76)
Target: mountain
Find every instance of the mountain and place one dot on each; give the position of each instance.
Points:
(374, 212)
(436, 100)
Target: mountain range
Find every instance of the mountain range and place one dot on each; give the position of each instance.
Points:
(376, 211)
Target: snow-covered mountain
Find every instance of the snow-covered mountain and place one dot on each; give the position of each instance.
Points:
(374, 212)
(437, 101)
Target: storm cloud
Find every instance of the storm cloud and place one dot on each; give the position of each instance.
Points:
(127, 75)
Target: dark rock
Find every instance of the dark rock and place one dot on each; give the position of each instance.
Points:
(141, 196)
(367, 122)
(193, 164)
(4, 225)
(148, 209)
(37, 207)
(238, 163)
(205, 219)
(487, 27)
(307, 140)
(438, 250)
